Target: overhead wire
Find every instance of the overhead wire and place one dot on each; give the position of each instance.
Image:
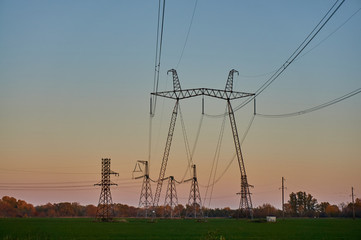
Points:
(257, 75)
(157, 62)
(293, 56)
(234, 156)
(329, 35)
(158, 54)
(42, 183)
(311, 49)
(189, 30)
(299, 50)
(48, 189)
(312, 109)
(215, 163)
(191, 154)
(45, 172)
(186, 143)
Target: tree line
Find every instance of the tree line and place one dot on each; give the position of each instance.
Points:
(300, 204)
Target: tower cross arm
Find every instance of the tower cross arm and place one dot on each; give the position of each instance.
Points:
(105, 184)
(210, 92)
(115, 173)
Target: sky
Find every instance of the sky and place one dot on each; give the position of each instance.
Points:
(76, 78)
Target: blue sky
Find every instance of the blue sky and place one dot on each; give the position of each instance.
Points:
(75, 79)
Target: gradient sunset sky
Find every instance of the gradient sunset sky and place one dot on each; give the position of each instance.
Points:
(76, 77)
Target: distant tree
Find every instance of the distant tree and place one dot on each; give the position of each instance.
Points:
(265, 210)
(227, 212)
(65, 209)
(341, 206)
(322, 209)
(78, 209)
(302, 204)
(25, 209)
(358, 207)
(347, 211)
(293, 204)
(10, 207)
(90, 210)
(333, 211)
(181, 209)
(288, 209)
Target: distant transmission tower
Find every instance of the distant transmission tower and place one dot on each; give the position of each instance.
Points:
(171, 199)
(194, 200)
(145, 199)
(105, 205)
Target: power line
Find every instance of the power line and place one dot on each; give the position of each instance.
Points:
(158, 54)
(234, 156)
(215, 162)
(186, 143)
(189, 153)
(312, 109)
(44, 183)
(189, 30)
(257, 75)
(293, 56)
(46, 187)
(55, 186)
(318, 44)
(45, 172)
(329, 35)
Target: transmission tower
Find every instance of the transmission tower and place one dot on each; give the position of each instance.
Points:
(194, 200)
(171, 199)
(227, 94)
(145, 199)
(105, 205)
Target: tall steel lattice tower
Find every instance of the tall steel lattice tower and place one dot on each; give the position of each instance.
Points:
(171, 199)
(227, 94)
(194, 200)
(145, 199)
(105, 205)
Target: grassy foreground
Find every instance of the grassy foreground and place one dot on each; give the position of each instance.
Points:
(85, 228)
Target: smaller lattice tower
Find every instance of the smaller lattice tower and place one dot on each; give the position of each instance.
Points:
(245, 204)
(146, 197)
(194, 208)
(171, 199)
(105, 206)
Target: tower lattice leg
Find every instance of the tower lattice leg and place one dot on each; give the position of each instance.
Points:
(246, 201)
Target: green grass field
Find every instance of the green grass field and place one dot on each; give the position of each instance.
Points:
(85, 228)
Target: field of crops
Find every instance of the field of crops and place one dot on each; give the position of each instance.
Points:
(84, 228)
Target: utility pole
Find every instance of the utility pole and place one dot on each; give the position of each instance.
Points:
(353, 204)
(104, 209)
(283, 197)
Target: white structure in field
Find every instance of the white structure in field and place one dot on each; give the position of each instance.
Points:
(271, 219)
